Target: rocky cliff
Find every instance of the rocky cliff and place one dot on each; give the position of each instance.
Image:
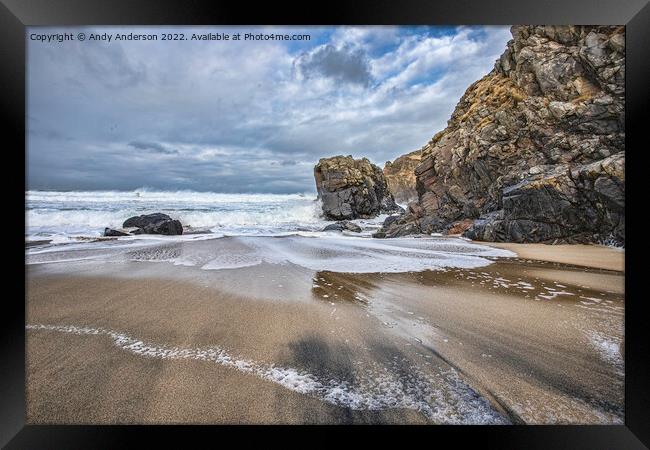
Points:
(352, 188)
(535, 150)
(400, 176)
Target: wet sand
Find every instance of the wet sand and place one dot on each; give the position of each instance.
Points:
(518, 341)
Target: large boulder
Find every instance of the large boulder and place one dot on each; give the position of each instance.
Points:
(532, 151)
(157, 223)
(352, 188)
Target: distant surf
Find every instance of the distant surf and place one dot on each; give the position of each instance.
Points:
(58, 214)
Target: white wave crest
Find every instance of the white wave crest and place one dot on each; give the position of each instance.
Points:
(145, 196)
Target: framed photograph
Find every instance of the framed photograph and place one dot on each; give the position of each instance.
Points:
(386, 213)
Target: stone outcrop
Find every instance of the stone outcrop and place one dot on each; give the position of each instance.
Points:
(351, 188)
(535, 150)
(156, 223)
(400, 176)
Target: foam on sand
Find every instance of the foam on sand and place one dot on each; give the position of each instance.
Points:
(320, 251)
(365, 255)
(442, 397)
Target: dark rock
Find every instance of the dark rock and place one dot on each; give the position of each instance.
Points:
(401, 228)
(112, 232)
(397, 226)
(488, 227)
(343, 225)
(565, 205)
(146, 219)
(430, 224)
(412, 222)
(390, 219)
(156, 223)
(352, 189)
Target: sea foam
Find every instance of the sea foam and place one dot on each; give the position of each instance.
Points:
(442, 397)
(366, 255)
(317, 251)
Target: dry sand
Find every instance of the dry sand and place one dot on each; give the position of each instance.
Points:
(516, 341)
(595, 256)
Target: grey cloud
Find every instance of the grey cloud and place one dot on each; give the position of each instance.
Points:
(223, 118)
(341, 64)
(153, 147)
(110, 66)
(49, 134)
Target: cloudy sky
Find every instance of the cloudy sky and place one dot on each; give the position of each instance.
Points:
(240, 116)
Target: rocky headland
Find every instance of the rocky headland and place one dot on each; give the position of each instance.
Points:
(535, 150)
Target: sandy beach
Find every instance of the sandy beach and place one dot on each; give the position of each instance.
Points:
(516, 341)
(298, 227)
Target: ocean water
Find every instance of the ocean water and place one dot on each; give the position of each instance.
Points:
(86, 214)
(243, 230)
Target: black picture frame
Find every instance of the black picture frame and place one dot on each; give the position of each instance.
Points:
(15, 15)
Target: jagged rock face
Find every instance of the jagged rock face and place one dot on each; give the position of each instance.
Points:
(536, 147)
(352, 188)
(583, 204)
(400, 176)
